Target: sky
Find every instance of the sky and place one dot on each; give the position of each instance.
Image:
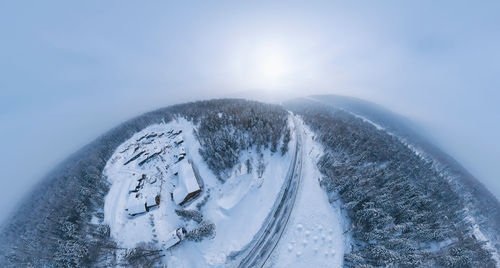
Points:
(72, 70)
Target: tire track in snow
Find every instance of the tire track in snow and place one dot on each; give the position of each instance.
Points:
(270, 234)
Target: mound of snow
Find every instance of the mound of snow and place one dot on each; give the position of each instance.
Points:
(235, 190)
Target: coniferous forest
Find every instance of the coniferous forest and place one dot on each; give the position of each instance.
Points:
(403, 211)
(404, 207)
(52, 227)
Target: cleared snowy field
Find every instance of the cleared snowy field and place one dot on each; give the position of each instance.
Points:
(314, 234)
(237, 207)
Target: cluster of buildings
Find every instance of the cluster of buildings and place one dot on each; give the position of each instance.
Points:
(187, 187)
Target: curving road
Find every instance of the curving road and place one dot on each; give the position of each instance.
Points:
(258, 252)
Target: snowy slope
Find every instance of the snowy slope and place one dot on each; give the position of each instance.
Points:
(477, 231)
(314, 234)
(237, 207)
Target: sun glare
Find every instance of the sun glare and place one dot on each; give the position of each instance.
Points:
(271, 65)
(263, 63)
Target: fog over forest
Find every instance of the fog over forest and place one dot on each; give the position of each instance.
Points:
(72, 71)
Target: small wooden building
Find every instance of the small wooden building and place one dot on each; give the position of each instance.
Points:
(142, 206)
(187, 186)
(152, 201)
(136, 209)
(174, 238)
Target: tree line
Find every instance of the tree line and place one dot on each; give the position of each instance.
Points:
(52, 226)
(402, 211)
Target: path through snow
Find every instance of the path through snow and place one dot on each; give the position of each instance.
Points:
(238, 207)
(314, 235)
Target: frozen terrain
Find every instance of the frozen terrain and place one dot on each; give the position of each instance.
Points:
(260, 249)
(480, 232)
(314, 234)
(237, 207)
(349, 189)
(407, 205)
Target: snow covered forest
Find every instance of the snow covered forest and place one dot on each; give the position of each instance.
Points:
(227, 127)
(403, 212)
(406, 204)
(56, 224)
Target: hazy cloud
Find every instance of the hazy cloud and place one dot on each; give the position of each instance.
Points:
(72, 70)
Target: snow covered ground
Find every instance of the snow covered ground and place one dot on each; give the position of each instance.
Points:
(237, 207)
(314, 234)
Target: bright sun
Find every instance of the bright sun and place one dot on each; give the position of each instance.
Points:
(262, 64)
(271, 65)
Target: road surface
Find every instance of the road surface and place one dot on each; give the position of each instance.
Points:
(259, 250)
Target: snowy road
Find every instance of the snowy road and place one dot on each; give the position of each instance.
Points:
(259, 251)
